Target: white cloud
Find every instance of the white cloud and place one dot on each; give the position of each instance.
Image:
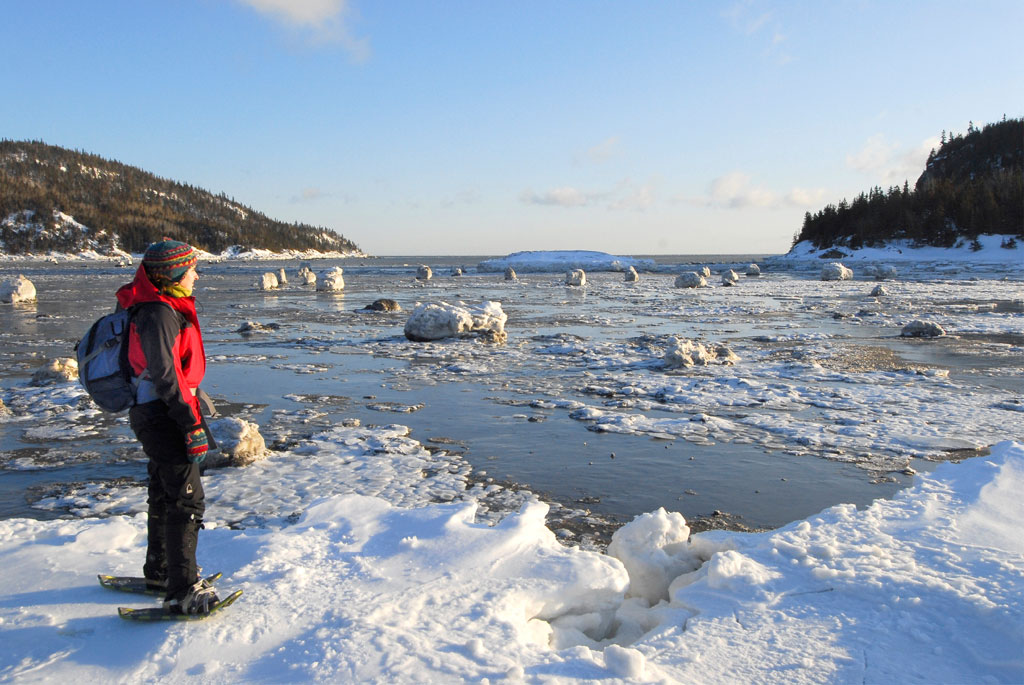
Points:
(751, 18)
(806, 197)
(559, 197)
(632, 197)
(735, 190)
(889, 163)
(602, 152)
(625, 196)
(325, 20)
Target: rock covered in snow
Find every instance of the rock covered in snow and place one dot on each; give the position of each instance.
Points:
(239, 443)
(686, 353)
(630, 275)
(55, 371)
(331, 280)
(691, 279)
(576, 277)
(424, 273)
(835, 271)
(250, 327)
(510, 274)
(730, 277)
(753, 270)
(922, 329)
(437, 321)
(879, 291)
(307, 276)
(458, 271)
(281, 277)
(267, 281)
(705, 271)
(382, 305)
(880, 273)
(17, 289)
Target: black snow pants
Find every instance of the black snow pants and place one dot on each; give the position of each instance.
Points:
(176, 499)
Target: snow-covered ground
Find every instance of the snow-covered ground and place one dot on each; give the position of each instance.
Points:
(924, 588)
(989, 249)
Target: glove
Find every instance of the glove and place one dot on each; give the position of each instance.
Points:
(196, 445)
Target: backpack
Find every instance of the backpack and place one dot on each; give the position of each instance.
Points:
(103, 366)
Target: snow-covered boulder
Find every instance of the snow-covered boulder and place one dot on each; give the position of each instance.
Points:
(686, 353)
(239, 442)
(281, 278)
(753, 270)
(382, 305)
(630, 275)
(17, 289)
(835, 271)
(307, 276)
(457, 271)
(331, 280)
(880, 273)
(576, 277)
(705, 271)
(56, 371)
(510, 274)
(922, 329)
(437, 321)
(691, 279)
(730, 277)
(879, 291)
(267, 281)
(424, 273)
(251, 327)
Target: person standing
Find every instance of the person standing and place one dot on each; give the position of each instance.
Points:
(165, 352)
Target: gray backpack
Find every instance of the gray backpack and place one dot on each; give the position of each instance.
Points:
(103, 367)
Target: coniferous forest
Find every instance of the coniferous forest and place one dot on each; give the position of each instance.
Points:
(972, 185)
(124, 207)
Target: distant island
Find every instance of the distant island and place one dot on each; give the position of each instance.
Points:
(561, 260)
(55, 200)
(972, 186)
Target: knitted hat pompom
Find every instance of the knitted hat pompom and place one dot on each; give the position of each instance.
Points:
(168, 261)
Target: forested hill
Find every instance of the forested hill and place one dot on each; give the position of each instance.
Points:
(972, 185)
(55, 199)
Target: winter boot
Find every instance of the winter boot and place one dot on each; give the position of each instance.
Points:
(200, 598)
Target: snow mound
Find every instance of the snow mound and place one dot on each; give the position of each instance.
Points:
(332, 280)
(17, 289)
(442, 320)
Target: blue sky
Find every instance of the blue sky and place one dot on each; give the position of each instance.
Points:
(493, 126)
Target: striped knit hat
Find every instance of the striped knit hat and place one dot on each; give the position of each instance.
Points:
(168, 261)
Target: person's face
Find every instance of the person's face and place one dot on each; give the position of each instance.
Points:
(188, 281)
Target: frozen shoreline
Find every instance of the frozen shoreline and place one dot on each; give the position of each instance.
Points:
(924, 588)
(424, 573)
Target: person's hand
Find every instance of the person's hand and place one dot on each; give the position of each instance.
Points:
(196, 445)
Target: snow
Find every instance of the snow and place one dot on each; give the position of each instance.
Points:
(563, 260)
(922, 588)
(434, 321)
(904, 251)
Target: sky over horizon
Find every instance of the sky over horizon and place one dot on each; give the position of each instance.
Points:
(483, 128)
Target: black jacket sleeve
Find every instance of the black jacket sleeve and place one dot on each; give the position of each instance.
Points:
(158, 327)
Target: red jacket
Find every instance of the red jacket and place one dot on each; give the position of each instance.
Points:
(166, 341)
